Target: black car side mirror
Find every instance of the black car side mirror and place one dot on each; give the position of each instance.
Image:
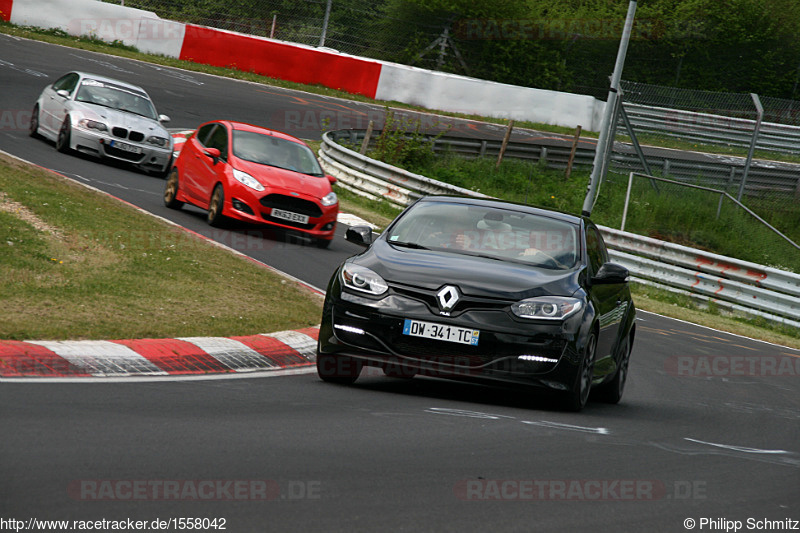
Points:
(611, 273)
(360, 235)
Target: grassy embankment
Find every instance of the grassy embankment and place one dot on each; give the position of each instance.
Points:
(77, 264)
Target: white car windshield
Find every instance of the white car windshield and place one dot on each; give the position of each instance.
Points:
(275, 152)
(490, 232)
(116, 97)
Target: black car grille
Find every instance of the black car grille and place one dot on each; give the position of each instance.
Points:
(466, 303)
(290, 203)
(122, 133)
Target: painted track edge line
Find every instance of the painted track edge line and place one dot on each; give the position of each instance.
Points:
(718, 330)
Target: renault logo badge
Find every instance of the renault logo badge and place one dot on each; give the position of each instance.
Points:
(448, 297)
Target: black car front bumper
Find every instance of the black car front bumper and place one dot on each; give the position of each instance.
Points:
(510, 350)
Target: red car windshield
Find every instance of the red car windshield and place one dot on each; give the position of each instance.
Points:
(275, 152)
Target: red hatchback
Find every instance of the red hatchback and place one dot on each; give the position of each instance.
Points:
(256, 175)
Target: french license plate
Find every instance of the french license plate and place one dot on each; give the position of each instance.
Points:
(288, 215)
(430, 330)
(125, 147)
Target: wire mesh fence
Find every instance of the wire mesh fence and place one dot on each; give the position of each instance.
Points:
(713, 133)
(349, 27)
(700, 218)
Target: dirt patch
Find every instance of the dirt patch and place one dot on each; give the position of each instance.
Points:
(26, 215)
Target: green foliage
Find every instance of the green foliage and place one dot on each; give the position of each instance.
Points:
(402, 142)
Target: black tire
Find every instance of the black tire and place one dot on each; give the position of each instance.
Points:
(611, 392)
(63, 139)
(323, 243)
(215, 217)
(33, 128)
(341, 369)
(576, 399)
(171, 191)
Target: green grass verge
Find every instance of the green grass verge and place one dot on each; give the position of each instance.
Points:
(77, 264)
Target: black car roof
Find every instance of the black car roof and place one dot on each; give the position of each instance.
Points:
(493, 202)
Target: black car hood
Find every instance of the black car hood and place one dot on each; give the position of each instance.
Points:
(475, 276)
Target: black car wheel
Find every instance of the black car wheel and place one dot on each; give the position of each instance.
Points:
(215, 206)
(33, 128)
(340, 369)
(63, 139)
(611, 392)
(577, 398)
(171, 191)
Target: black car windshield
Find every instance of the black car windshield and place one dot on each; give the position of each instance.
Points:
(483, 231)
(116, 97)
(275, 152)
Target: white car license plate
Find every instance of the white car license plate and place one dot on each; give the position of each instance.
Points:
(125, 147)
(430, 330)
(288, 215)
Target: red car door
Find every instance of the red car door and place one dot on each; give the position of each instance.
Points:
(211, 170)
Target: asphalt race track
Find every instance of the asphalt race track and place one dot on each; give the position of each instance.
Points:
(708, 430)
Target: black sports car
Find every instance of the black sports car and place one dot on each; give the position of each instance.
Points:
(482, 290)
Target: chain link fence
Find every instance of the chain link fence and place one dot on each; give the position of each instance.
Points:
(701, 218)
(725, 142)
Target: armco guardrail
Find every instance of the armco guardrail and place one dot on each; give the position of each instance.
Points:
(736, 285)
(373, 178)
(704, 169)
(713, 129)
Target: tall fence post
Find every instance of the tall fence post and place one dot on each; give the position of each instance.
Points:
(760, 111)
(611, 108)
(325, 23)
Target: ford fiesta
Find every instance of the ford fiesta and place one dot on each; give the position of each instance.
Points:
(103, 117)
(255, 175)
(482, 290)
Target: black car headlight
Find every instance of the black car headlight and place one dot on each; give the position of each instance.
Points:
(547, 307)
(363, 279)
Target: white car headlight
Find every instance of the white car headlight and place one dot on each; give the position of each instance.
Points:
(158, 141)
(547, 308)
(246, 179)
(92, 125)
(329, 199)
(363, 279)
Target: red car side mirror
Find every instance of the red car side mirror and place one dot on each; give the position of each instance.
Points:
(331, 179)
(213, 153)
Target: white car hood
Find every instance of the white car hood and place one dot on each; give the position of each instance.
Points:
(114, 118)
